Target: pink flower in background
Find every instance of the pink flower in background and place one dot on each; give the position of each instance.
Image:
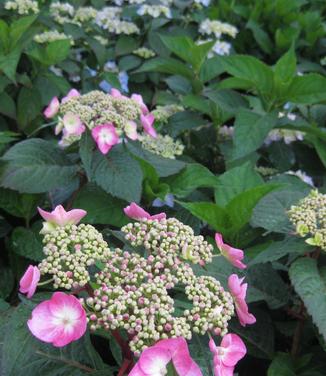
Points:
(72, 125)
(52, 108)
(72, 93)
(147, 122)
(28, 282)
(59, 321)
(131, 130)
(136, 212)
(233, 255)
(239, 291)
(228, 354)
(116, 93)
(154, 360)
(60, 217)
(139, 99)
(105, 137)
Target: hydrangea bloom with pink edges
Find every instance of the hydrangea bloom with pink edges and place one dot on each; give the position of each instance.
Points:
(238, 291)
(105, 137)
(147, 122)
(154, 360)
(60, 217)
(228, 354)
(117, 93)
(28, 282)
(73, 126)
(136, 212)
(59, 321)
(233, 255)
(139, 99)
(131, 130)
(72, 93)
(52, 108)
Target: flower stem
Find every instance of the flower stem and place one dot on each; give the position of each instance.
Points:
(45, 282)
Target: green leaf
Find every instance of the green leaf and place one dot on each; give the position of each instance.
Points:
(251, 69)
(101, 207)
(27, 243)
(19, 27)
(7, 105)
(118, 174)
(36, 166)
(4, 37)
(277, 250)
(308, 284)
(227, 100)
(214, 215)
(53, 53)
(166, 65)
(7, 136)
(6, 282)
(9, 62)
(163, 166)
(183, 121)
(266, 284)
(192, 177)
(282, 365)
(234, 182)
(22, 354)
(240, 207)
(210, 69)
(260, 36)
(250, 131)
(307, 89)
(86, 146)
(286, 68)
(271, 211)
(29, 106)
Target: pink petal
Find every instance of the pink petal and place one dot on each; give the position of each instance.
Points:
(221, 370)
(72, 93)
(115, 93)
(136, 212)
(234, 283)
(154, 360)
(52, 108)
(245, 318)
(147, 122)
(219, 240)
(234, 255)
(139, 99)
(131, 130)
(105, 136)
(28, 282)
(136, 371)
(235, 349)
(61, 217)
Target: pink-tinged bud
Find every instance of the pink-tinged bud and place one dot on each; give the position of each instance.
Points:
(238, 291)
(233, 255)
(52, 108)
(93, 317)
(147, 123)
(60, 218)
(72, 93)
(105, 137)
(105, 298)
(28, 282)
(196, 317)
(136, 212)
(141, 301)
(131, 130)
(168, 327)
(69, 274)
(59, 321)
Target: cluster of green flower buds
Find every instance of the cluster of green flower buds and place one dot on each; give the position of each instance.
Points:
(163, 113)
(164, 146)
(309, 218)
(70, 251)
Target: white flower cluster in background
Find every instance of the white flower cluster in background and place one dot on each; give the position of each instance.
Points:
(62, 12)
(217, 29)
(205, 3)
(302, 176)
(154, 11)
(109, 18)
(22, 7)
(51, 36)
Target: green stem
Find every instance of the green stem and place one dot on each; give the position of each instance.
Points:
(45, 282)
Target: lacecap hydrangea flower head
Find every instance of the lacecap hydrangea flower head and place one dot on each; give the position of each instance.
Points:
(133, 292)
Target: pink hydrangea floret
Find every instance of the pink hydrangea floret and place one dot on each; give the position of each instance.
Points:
(72, 93)
(136, 212)
(105, 136)
(139, 99)
(52, 108)
(233, 255)
(28, 282)
(147, 123)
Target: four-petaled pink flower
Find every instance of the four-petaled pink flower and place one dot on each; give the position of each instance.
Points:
(238, 291)
(52, 108)
(139, 99)
(154, 360)
(136, 212)
(105, 137)
(28, 282)
(59, 321)
(60, 217)
(226, 356)
(72, 125)
(72, 93)
(233, 255)
(131, 130)
(147, 122)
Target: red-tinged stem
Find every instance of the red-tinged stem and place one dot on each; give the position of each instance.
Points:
(125, 367)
